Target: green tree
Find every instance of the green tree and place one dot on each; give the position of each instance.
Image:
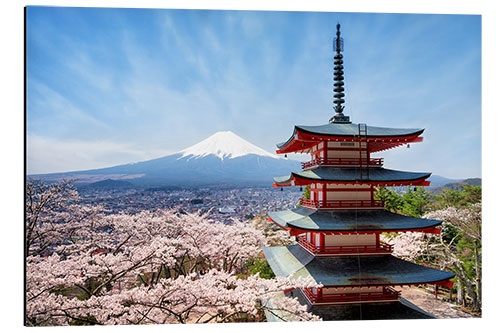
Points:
(393, 200)
(305, 195)
(261, 266)
(415, 201)
(307, 192)
(465, 196)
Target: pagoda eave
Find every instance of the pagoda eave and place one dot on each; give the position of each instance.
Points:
(302, 141)
(351, 271)
(384, 222)
(296, 231)
(297, 180)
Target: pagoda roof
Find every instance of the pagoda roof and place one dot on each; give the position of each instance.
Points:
(351, 129)
(342, 221)
(307, 135)
(379, 176)
(403, 309)
(350, 271)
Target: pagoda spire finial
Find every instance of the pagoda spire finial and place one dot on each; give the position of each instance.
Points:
(338, 80)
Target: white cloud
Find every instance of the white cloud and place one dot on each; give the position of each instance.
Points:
(189, 81)
(47, 155)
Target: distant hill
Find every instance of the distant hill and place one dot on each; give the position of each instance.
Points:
(438, 181)
(455, 185)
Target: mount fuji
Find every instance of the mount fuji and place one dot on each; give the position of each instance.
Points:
(224, 145)
(223, 159)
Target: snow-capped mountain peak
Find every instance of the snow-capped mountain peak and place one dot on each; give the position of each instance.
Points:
(224, 145)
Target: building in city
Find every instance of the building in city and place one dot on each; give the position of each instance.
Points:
(338, 226)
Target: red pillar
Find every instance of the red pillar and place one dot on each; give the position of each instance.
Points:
(323, 188)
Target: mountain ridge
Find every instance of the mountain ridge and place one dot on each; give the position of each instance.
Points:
(456, 185)
(221, 159)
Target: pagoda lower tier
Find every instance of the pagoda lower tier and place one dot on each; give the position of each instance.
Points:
(350, 279)
(301, 220)
(402, 309)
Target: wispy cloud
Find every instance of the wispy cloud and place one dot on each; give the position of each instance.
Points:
(53, 112)
(47, 155)
(162, 80)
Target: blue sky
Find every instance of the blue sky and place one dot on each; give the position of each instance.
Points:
(112, 86)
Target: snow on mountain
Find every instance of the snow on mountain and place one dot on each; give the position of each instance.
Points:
(223, 159)
(224, 145)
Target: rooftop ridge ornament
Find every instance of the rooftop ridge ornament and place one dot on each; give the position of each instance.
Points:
(338, 84)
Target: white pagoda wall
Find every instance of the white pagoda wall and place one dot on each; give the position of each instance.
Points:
(338, 194)
(354, 153)
(348, 195)
(356, 239)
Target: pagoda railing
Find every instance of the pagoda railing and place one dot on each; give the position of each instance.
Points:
(381, 248)
(342, 204)
(388, 294)
(376, 162)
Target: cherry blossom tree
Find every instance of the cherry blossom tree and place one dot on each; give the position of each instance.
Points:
(461, 231)
(275, 236)
(43, 204)
(407, 245)
(86, 267)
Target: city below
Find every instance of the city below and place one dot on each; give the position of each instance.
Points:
(221, 204)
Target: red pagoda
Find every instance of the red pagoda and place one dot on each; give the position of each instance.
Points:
(338, 227)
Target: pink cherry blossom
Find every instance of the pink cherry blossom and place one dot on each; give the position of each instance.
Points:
(83, 266)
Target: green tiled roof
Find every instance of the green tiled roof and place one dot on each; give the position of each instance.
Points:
(362, 220)
(349, 130)
(346, 271)
(353, 174)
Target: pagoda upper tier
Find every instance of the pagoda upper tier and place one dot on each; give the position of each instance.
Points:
(352, 175)
(304, 138)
